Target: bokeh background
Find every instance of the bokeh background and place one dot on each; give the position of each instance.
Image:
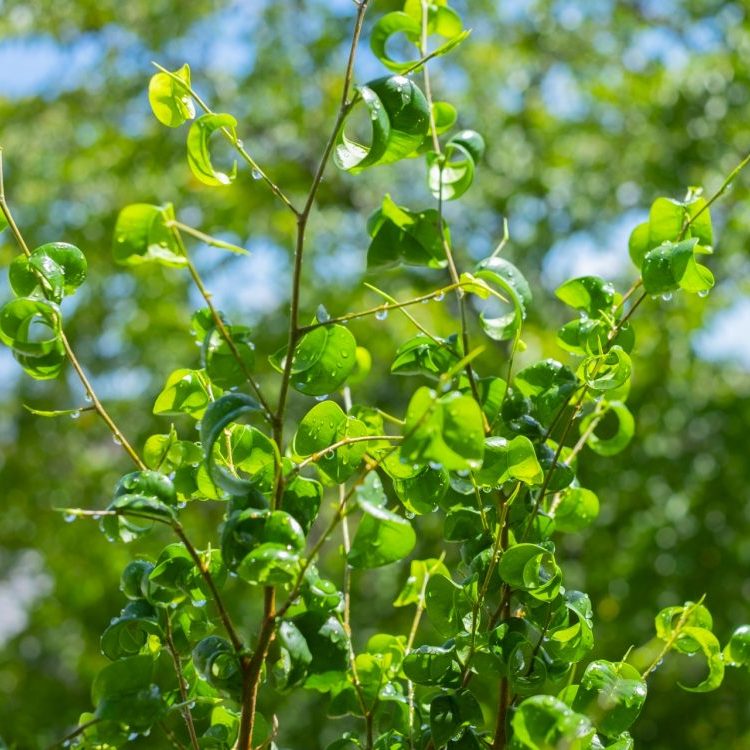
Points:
(590, 109)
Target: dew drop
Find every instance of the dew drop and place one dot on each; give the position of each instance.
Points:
(409, 514)
(239, 143)
(116, 440)
(75, 414)
(435, 465)
(198, 425)
(439, 297)
(69, 517)
(182, 505)
(132, 736)
(381, 314)
(667, 296)
(329, 454)
(703, 293)
(199, 602)
(322, 397)
(425, 301)
(88, 398)
(256, 174)
(96, 516)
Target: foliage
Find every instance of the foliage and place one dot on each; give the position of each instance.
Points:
(493, 454)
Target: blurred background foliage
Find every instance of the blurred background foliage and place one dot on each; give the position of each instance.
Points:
(590, 109)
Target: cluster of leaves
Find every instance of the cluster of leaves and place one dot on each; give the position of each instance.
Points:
(494, 456)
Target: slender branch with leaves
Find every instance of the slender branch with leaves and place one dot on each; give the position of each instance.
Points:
(495, 458)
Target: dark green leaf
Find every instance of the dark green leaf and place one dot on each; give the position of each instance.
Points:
(400, 119)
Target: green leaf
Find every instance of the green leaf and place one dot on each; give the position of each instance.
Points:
(199, 157)
(21, 322)
(531, 568)
(52, 270)
(618, 441)
(403, 236)
(216, 662)
(451, 714)
(219, 358)
(503, 274)
(505, 461)
(420, 572)
(185, 392)
(128, 634)
(573, 637)
(447, 430)
(399, 22)
(674, 266)
(124, 691)
(324, 425)
(400, 120)
(711, 649)
(606, 372)
(323, 360)
(382, 538)
(576, 509)
(665, 220)
(638, 244)
(589, 294)
(327, 641)
(611, 695)
(691, 614)
(549, 385)
(448, 605)
(737, 651)
(170, 100)
(220, 414)
(424, 356)
(431, 665)
(301, 499)
(545, 723)
(143, 235)
(422, 493)
(450, 174)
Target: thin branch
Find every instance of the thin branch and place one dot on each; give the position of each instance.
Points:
(208, 578)
(220, 325)
(185, 709)
(318, 455)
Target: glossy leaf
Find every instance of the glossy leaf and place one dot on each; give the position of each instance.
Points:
(531, 568)
(589, 294)
(674, 266)
(420, 572)
(451, 714)
(445, 22)
(545, 723)
(170, 100)
(382, 538)
(446, 430)
(737, 651)
(403, 236)
(576, 509)
(450, 174)
(198, 154)
(616, 442)
(185, 392)
(505, 461)
(511, 282)
(143, 235)
(323, 360)
(611, 695)
(400, 118)
(324, 425)
(220, 414)
(53, 271)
